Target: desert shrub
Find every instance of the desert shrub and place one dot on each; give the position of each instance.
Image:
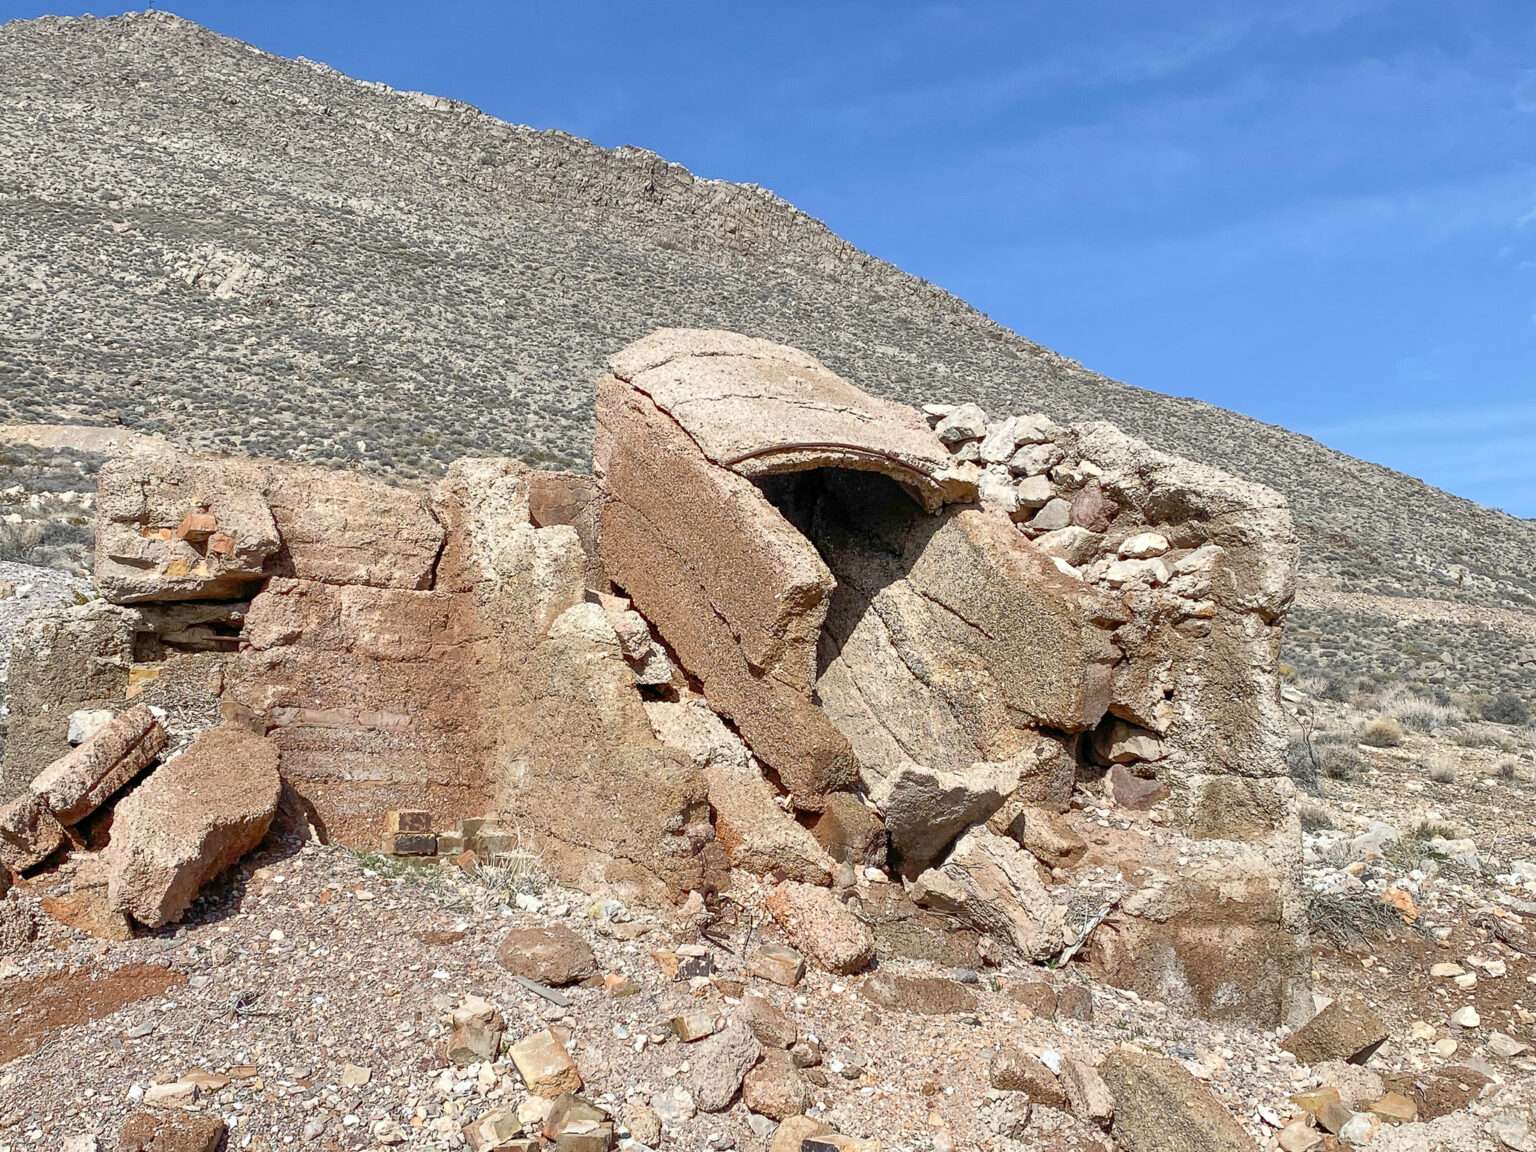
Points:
(1419, 710)
(1350, 921)
(1382, 732)
(1442, 772)
(1315, 817)
(1477, 736)
(1506, 708)
(1506, 769)
(1341, 762)
(1302, 763)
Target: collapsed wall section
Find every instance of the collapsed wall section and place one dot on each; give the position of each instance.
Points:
(785, 629)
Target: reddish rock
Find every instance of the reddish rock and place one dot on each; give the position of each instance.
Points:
(1127, 790)
(1015, 1070)
(821, 926)
(919, 995)
(1345, 1030)
(554, 955)
(850, 831)
(1092, 509)
(171, 1132)
(28, 833)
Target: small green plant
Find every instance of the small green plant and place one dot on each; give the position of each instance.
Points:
(1382, 732)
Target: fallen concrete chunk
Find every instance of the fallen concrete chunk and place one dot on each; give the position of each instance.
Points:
(720, 1066)
(28, 833)
(819, 924)
(75, 785)
(193, 818)
(545, 1064)
(1345, 1030)
(991, 884)
(758, 836)
(926, 809)
(918, 995)
(850, 832)
(1160, 1107)
(1047, 837)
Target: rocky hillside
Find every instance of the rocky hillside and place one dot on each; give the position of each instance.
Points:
(248, 252)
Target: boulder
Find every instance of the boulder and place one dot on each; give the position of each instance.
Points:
(1345, 1030)
(76, 784)
(552, 955)
(1160, 1107)
(990, 884)
(821, 926)
(194, 817)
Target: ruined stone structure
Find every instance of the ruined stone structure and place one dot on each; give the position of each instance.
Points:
(785, 629)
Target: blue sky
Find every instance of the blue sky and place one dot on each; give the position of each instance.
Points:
(1318, 212)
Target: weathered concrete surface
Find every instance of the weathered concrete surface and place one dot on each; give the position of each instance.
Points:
(366, 691)
(759, 408)
(63, 658)
(180, 525)
(991, 884)
(1160, 1107)
(1222, 935)
(76, 784)
(28, 833)
(193, 818)
(573, 759)
(950, 640)
(733, 589)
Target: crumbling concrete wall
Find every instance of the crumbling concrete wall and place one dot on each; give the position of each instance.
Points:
(785, 629)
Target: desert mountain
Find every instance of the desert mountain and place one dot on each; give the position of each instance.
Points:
(245, 252)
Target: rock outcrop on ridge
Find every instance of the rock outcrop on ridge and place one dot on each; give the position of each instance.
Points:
(786, 630)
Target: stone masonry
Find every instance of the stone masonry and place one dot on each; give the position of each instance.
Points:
(785, 629)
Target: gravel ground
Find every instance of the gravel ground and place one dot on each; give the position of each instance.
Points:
(311, 959)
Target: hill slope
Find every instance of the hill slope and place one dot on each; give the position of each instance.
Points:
(248, 252)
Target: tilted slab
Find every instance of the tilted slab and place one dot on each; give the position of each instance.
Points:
(760, 408)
